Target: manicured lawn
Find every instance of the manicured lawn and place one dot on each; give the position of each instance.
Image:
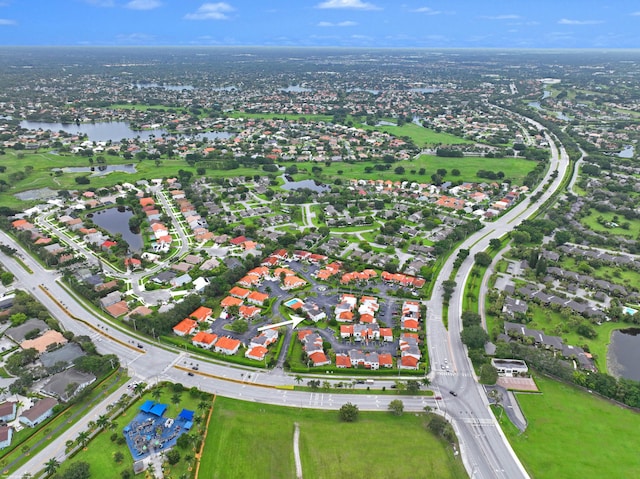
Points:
(513, 168)
(42, 163)
(421, 136)
(573, 434)
(249, 440)
(591, 222)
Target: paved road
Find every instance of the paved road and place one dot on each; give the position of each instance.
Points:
(485, 450)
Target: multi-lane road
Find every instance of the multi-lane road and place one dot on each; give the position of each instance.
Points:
(485, 451)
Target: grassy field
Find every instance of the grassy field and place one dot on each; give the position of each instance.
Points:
(572, 434)
(514, 168)
(591, 222)
(41, 175)
(421, 136)
(382, 445)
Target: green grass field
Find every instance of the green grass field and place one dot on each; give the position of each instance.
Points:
(250, 440)
(421, 136)
(514, 168)
(573, 434)
(591, 222)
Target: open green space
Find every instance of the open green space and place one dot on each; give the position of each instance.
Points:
(610, 217)
(514, 168)
(420, 135)
(573, 434)
(40, 173)
(252, 440)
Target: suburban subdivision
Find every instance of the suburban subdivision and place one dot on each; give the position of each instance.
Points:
(200, 257)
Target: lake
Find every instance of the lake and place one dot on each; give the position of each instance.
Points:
(295, 89)
(164, 87)
(116, 220)
(627, 152)
(100, 170)
(101, 131)
(623, 356)
(312, 185)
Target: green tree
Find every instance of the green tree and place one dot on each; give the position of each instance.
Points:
(77, 470)
(82, 439)
(488, 374)
(483, 259)
(173, 456)
(474, 337)
(349, 412)
(51, 466)
(396, 407)
(413, 386)
(495, 243)
(118, 456)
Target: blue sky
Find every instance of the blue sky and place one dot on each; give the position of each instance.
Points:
(356, 23)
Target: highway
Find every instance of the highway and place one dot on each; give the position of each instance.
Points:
(485, 451)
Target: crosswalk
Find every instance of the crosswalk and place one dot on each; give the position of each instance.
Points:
(453, 373)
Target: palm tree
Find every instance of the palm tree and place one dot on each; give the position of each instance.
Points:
(102, 421)
(83, 438)
(202, 405)
(51, 466)
(298, 379)
(426, 381)
(138, 388)
(156, 393)
(175, 399)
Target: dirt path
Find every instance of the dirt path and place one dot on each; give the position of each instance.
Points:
(296, 450)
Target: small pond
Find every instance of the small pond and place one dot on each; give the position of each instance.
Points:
(99, 170)
(312, 185)
(116, 220)
(624, 353)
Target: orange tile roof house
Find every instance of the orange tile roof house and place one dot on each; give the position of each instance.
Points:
(249, 280)
(257, 353)
(204, 340)
(230, 301)
(227, 345)
(239, 292)
(408, 362)
(292, 282)
(257, 298)
(202, 314)
(385, 360)
(185, 327)
(343, 361)
(319, 358)
(117, 309)
(248, 312)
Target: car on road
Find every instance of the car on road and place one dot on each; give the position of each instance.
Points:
(438, 397)
(190, 373)
(453, 393)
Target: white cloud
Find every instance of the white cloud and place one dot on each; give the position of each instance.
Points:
(566, 21)
(134, 38)
(346, 23)
(143, 4)
(353, 4)
(635, 14)
(211, 11)
(428, 11)
(503, 17)
(7, 21)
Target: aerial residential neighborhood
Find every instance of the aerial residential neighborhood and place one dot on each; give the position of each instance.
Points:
(413, 224)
